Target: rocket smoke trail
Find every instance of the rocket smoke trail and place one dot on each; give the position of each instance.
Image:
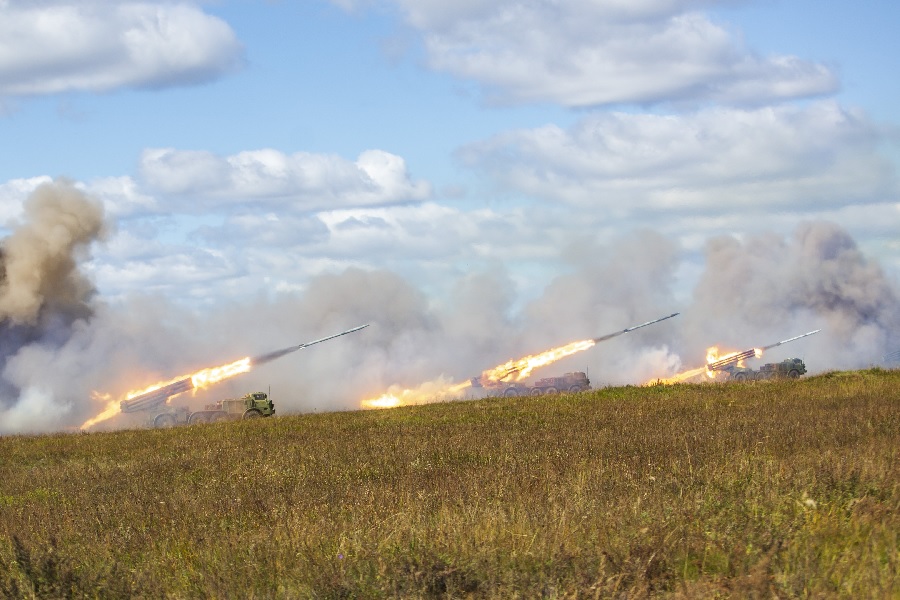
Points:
(618, 333)
(270, 356)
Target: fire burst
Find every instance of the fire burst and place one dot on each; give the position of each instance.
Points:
(430, 391)
(516, 370)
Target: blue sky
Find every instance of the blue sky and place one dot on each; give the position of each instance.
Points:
(242, 149)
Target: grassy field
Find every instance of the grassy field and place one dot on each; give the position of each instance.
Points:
(768, 489)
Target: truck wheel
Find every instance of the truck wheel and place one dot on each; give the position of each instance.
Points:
(794, 374)
(510, 393)
(196, 418)
(576, 388)
(551, 390)
(252, 414)
(739, 376)
(536, 392)
(163, 421)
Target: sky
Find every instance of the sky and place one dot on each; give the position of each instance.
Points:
(477, 178)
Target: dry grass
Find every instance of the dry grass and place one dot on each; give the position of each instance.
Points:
(785, 489)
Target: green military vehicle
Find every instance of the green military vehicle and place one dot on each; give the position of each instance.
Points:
(790, 368)
(249, 406)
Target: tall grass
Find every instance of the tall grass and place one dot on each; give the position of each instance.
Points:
(769, 489)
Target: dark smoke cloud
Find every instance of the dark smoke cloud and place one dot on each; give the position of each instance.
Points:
(44, 296)
(39, 277)
(768, 288)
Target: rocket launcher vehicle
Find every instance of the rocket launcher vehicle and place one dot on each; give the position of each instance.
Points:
(153, 398)
(752, 352)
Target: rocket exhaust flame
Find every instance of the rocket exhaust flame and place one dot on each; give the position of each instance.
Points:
(510, 371)
(516, 370)
(160, 393)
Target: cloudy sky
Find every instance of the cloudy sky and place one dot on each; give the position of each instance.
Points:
(245, 149)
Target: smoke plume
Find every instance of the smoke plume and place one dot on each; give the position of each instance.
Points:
(61, 344)
(768, 288)
(39, 276)
(44, 296)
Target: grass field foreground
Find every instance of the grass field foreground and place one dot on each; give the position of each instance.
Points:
(768, 489)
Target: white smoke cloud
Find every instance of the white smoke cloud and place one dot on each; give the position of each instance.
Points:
(753, 291)
(22, 417)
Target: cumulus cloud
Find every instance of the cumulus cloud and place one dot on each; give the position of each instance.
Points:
(51, 47)
(120, 196)
(712, 162)
(601, 52)
(303, 181)
(11, 194)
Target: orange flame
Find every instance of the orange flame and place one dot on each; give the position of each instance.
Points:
(206, 377)
(516, 370)
(426, 393)
(112, 409)
(511, 370)
(201, 379)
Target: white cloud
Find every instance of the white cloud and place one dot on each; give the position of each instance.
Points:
(303, 181)
(52, 47)
(714, 162)
(599, 52)
(13, 193)
(120, 196)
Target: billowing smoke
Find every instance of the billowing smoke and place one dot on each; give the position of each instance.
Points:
(61, 344)
(767, 288)
(44, 296)
(39, 276)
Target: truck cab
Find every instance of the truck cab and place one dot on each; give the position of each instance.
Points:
(249, 406)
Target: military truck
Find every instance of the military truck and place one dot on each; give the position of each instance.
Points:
(790, 368)
(570, 382)
(249, 406)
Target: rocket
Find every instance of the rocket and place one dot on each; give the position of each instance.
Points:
(731, 360)
(603, 338)
(270, 356)
(161, 395)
